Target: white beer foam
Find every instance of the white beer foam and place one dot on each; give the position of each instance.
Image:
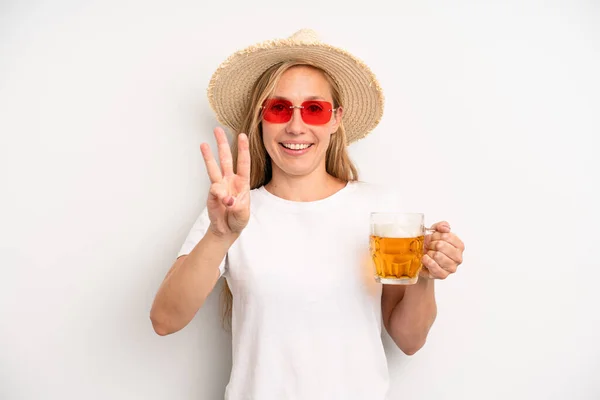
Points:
(396, 231)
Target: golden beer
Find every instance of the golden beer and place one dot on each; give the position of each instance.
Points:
(396, 247)
(396, 260)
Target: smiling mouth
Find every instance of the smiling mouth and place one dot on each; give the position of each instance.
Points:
(296, 146)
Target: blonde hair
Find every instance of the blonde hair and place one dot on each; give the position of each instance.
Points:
(338, 163)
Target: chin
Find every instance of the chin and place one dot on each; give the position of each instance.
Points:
(296, 166)
(296, 171)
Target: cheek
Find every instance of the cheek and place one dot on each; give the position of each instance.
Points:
(324, 136)
(267, 136)
(267, 132)
(269, 147)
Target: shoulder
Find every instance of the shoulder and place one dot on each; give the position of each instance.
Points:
(366, 188)
(380, 197)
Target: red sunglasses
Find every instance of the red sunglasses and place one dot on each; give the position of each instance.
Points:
(313, 112)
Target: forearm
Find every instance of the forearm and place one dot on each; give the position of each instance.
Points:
(413, 316)
(188, 284)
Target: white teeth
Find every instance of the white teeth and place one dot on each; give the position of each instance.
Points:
(295, 146)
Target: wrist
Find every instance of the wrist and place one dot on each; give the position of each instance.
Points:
(425, 282)
(423, 287)
(220, 238)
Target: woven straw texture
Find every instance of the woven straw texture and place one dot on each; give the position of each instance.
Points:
(362, 97)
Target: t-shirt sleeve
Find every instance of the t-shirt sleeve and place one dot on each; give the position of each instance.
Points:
(196, 234)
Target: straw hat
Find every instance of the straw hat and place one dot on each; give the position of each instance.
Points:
(362, 98)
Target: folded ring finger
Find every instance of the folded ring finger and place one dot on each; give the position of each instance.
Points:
(445, 262)
(435, 271)
(446, 248)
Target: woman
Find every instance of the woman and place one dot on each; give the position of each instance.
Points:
(286, 223)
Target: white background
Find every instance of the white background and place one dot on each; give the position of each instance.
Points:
(492, 123)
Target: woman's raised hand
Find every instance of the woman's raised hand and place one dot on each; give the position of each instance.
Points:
(228, 200)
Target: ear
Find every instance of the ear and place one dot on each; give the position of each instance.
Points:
(337, 119)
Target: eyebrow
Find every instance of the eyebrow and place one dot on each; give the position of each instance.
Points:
(308, 98)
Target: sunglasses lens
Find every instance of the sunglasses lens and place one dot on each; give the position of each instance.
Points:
(277, 111)
(316, 112)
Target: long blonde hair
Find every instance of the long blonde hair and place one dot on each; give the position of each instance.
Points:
(338, 163)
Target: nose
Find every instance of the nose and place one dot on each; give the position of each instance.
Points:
(296, 125)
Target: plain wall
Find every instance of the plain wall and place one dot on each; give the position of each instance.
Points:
(491, 123)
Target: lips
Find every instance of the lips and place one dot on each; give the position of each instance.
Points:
(296, 146)
(296, 149)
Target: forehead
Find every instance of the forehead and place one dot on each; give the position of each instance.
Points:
(303, 81)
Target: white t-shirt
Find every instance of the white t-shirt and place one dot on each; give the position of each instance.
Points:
(306, 318)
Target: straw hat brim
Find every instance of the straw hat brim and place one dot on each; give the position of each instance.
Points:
(230, 87)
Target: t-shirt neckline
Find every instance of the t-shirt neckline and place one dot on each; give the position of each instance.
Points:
(293, 205)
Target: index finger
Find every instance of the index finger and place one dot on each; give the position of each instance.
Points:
(243, 159)
(441, 226)
(436, 228)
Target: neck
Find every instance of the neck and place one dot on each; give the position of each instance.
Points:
(316, 186)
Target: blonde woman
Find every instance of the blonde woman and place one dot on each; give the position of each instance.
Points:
(286, 224)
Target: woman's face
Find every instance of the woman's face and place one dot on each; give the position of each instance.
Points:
(298, 148)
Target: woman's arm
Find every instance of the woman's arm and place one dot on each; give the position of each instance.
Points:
(188, 283)
(408, 313)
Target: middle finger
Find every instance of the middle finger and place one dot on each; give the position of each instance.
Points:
(435, 271)
(446, 248)
(447, 237)
(443, 261)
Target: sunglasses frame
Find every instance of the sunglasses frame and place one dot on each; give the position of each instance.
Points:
(331, 110)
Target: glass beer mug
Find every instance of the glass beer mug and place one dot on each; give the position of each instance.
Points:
(396, 246)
